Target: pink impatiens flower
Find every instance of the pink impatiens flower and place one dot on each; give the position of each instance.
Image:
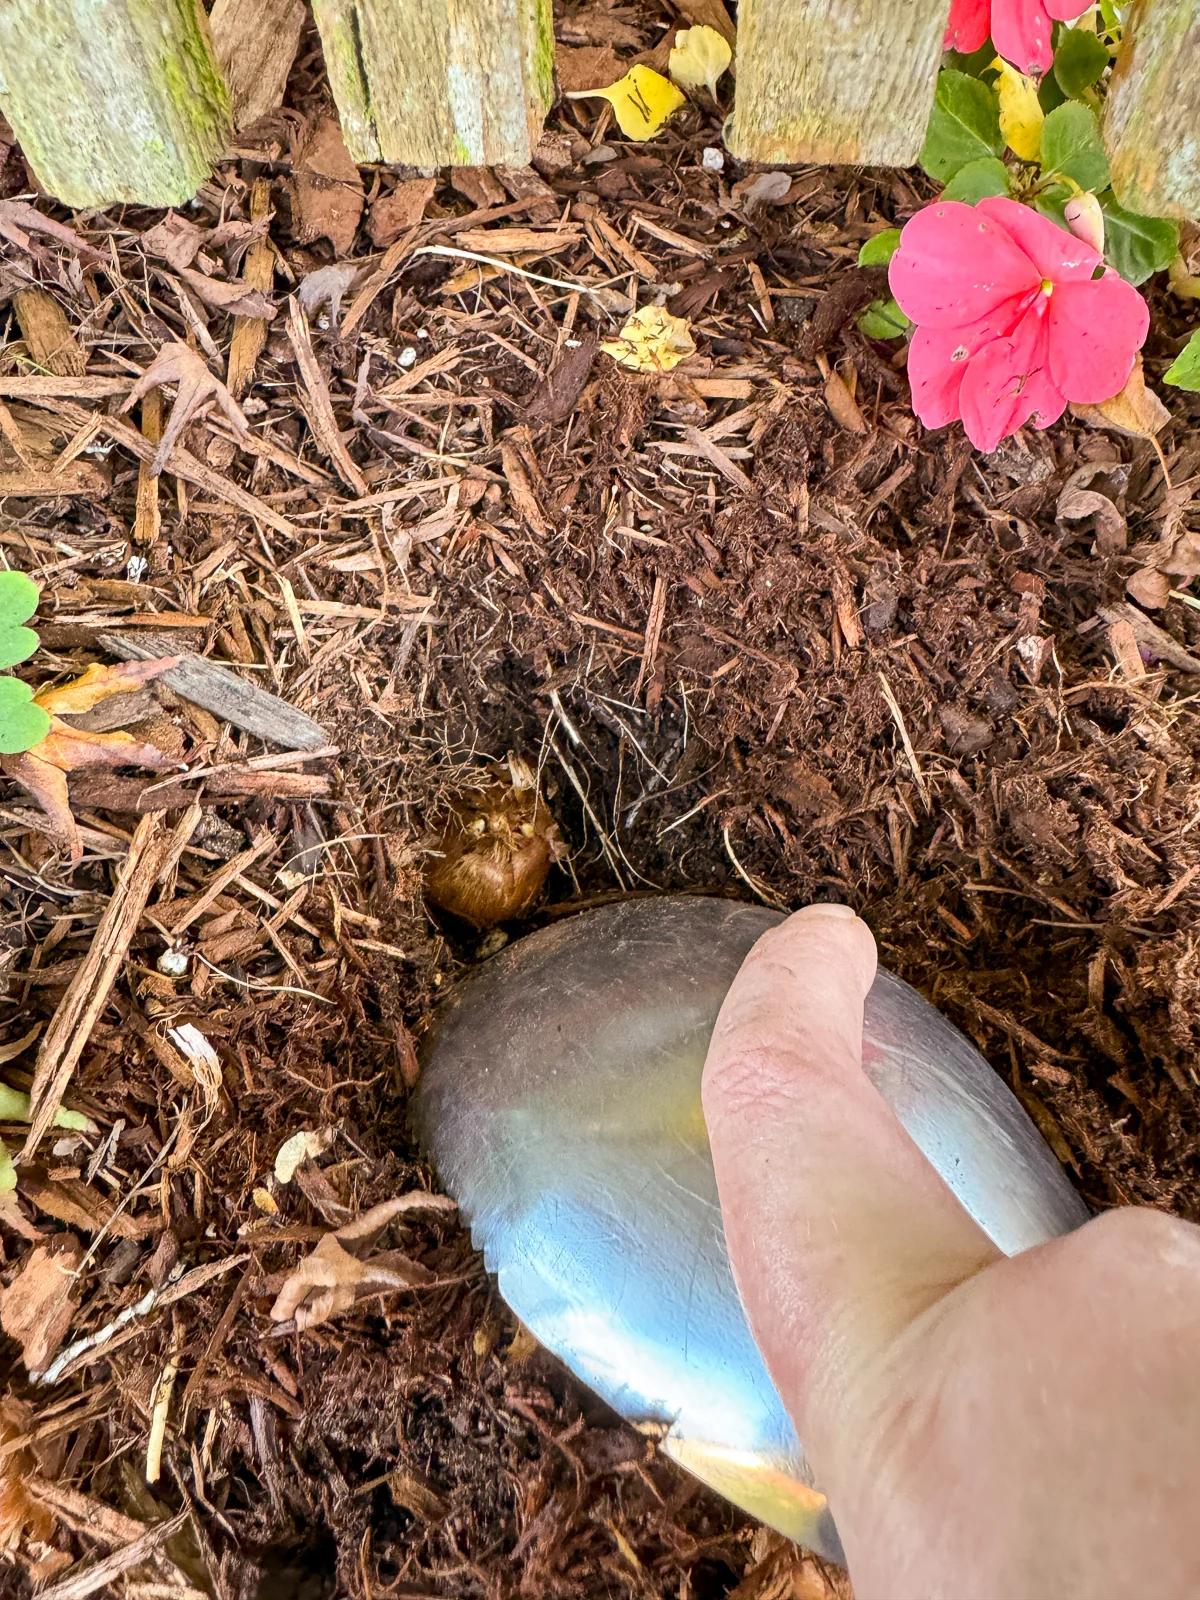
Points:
(1012, 320)
(1020, 29)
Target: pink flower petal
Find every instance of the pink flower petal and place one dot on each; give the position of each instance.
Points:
(1058, 256)
(1095, 331)
(1065, 10)
(1008, 384)
(938, 357)
(968, 25)
(956, 265)
(935, 374)
(1021, 33)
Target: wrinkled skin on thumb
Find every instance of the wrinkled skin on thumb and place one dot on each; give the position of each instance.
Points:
(840, 1231)
(984, 1427)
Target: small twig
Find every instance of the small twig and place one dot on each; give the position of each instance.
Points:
(752, 883)
(902, 729)
(152, 853)
(521, 272)
(269, 988)
(609, 853)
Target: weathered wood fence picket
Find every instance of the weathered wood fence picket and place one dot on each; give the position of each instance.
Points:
(133, 100)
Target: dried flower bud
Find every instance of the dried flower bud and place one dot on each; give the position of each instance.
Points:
(495, 850)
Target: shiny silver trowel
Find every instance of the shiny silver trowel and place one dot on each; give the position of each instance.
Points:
(560, 1103)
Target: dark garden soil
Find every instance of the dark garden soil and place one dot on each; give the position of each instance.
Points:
(762, 636)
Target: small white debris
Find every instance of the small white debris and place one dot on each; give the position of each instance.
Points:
(191, 1042)
(136, 570)
(172, 963)
(301, 1147)
(713, 160)
(408, 355)
(422, 333)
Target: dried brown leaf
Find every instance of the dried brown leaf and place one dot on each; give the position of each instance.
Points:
(326, 186)
(1095, 511)
(178, 364)
(394, 214)
(18, 220)
(1136, 411)
(843, 406)
(234, 298)
(37, 1306)
(334, 1277)
(1149, 587)
(331, 1280)
(174, 240)
(21, 1514)
(43, 769)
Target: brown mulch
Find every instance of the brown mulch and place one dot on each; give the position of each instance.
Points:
(760, 634)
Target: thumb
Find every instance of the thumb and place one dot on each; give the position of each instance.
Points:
(839, 1230)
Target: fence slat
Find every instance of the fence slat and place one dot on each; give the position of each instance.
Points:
(835, 81)
(428, 83)
(1152, 116)
(113, 99)
(255, 42)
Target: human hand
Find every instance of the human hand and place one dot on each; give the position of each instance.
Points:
(983, 1426)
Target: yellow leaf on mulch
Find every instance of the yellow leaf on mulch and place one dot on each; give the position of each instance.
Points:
(652, 340)
(698, 58)
(642, 101)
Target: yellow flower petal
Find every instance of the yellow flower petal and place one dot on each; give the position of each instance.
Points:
(1021, 114)
(642, 101)
(652, 340)
(698, 58)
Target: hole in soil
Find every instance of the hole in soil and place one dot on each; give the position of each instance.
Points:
(305, 1573)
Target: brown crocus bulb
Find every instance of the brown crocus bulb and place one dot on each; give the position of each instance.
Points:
(495, 850)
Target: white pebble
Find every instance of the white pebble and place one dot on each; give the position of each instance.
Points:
(172, 963)
(407, 356)
(713, 160)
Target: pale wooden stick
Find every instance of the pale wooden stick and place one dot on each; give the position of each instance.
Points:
(153, 851)
(250, 333)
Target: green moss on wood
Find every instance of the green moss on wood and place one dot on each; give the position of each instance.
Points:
(422, 83)
(1152, 113)
(835, 81)
(113, 100)
(341, 38)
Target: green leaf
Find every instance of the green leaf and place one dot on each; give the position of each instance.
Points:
(883, 319)
(1184, 371)
(1050, 94)
(880, 249)
(973, 65)
(1071, 144)
(1051, 200)
(14, 1107)
(22, 724)
(1137, 246)
(977, 180)
(1079, 61)
(964, 125)
(18, 600)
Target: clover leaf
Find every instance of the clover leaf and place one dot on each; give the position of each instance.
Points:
(18, 601)
(23, 723)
